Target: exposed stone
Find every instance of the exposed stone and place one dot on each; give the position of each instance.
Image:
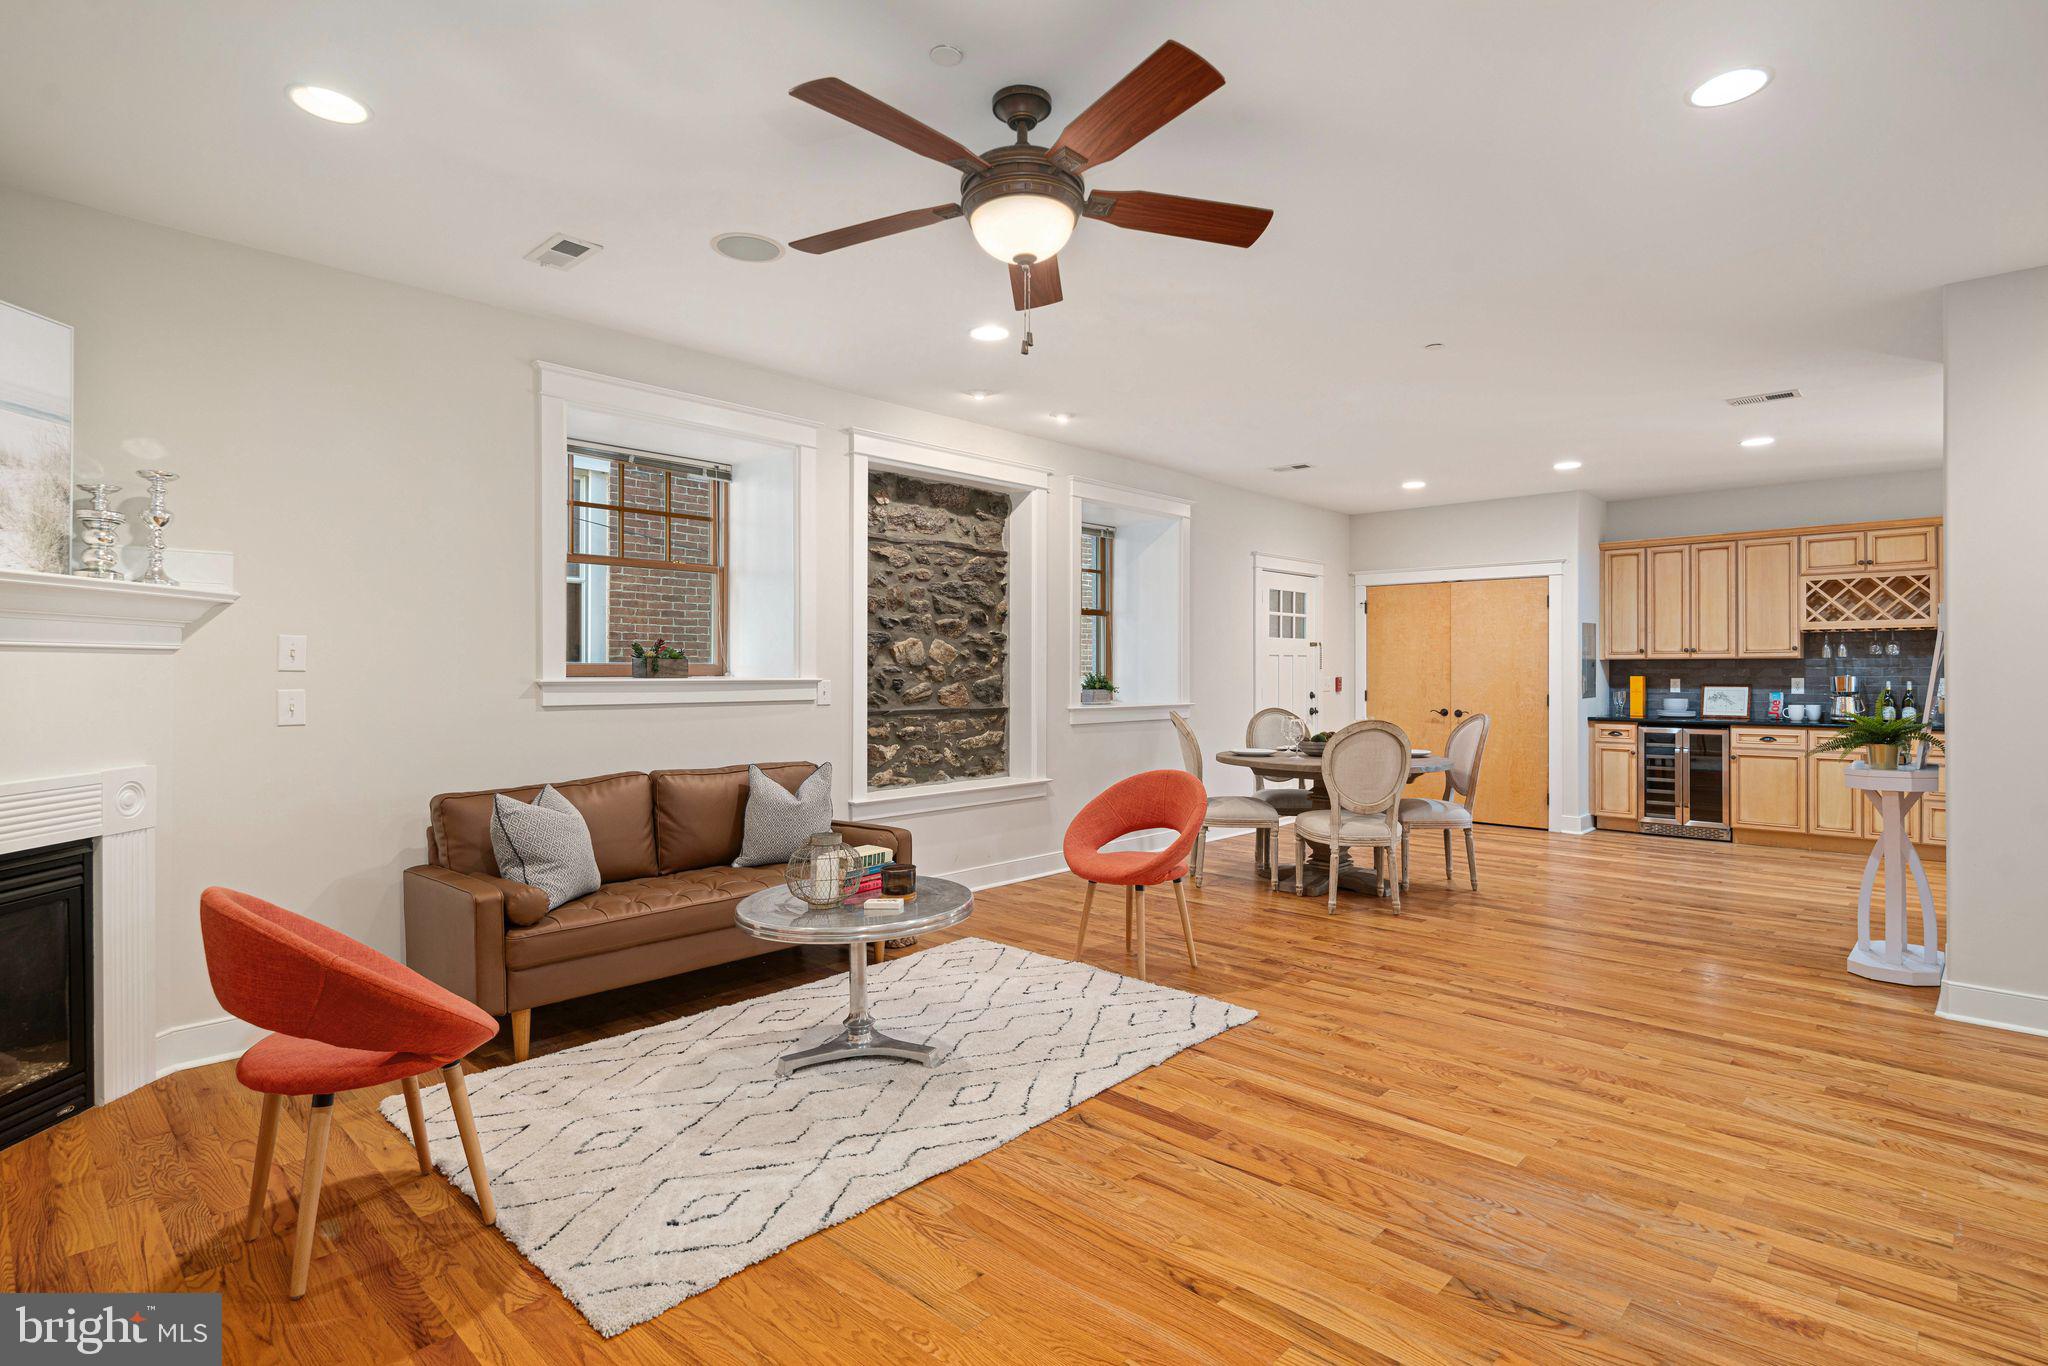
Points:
(938, 631)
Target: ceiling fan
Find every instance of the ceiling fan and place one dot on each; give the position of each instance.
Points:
(1022, 202)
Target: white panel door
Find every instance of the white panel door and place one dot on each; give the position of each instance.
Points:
(1288, 630)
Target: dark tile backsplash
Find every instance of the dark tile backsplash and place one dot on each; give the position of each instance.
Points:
(1765, 676)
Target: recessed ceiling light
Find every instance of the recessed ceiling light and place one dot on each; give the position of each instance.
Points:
(1413, 484)
(945, 54)
(331, 105)
(1728, 87)
(1754, 441)
(1567, 465)
(990, 332)
(980, 395)
(1062, 418)
(746, 246)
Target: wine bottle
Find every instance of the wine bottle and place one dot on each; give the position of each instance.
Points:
(1911, 709)
(1886, 708)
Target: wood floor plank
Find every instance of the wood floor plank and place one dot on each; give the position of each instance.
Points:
(1623, 1104)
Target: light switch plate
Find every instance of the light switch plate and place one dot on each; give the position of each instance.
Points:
(291, 706)
(291, 654)
(824, 692)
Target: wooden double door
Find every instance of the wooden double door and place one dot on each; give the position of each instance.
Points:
(1438, 652)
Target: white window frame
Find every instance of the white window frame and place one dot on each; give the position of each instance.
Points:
(1030, 489)
(1081, 492)
(561, 388)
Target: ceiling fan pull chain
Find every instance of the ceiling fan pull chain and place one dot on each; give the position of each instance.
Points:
(1026, 350)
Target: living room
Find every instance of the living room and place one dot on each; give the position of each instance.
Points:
(455, 404)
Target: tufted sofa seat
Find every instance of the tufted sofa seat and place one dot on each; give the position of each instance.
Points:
(665, 844)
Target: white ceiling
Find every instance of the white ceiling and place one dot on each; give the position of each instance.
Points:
(1522, 182)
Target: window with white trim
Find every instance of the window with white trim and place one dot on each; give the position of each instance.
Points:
(1131, 596)
(1098, 602)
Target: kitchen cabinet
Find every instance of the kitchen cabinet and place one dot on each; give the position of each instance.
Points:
(1713, 598)
(1833, 808)
(1767, 606)
(1667, 607)
(1767, 778)
(1617, 788)
(1621, 604)
(1883, 548)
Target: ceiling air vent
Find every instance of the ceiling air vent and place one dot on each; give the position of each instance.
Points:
(1772, 397)
(1289, 469)
(561, 252)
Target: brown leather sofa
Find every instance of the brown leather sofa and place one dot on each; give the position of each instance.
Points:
(665, 843)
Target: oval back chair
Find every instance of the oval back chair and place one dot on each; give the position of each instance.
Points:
(1453, 811)
(1365, 766)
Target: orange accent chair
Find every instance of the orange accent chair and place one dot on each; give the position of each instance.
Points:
(1164, 798)
(344, 1017)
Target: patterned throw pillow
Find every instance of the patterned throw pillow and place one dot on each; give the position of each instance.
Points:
(545, 845)
(778, 820)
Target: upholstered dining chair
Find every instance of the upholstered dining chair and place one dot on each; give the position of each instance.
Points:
(343, 1017)
(1365, 767)
(1161, 799)
(1466, 747)
(1270, 728)
(1230, 812)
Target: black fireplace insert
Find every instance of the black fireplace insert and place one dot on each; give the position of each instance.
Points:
(45, 987)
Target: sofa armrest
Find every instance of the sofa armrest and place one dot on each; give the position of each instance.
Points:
(891, 837)
(455, 929)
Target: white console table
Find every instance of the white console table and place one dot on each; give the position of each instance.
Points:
(1892, 959)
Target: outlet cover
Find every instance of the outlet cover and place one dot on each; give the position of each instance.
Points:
(291, 706)
(1798, 685)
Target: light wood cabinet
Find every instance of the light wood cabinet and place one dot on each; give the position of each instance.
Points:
(1667, 607)
(1617, 791)
(1830, 552)
(1832, 807)
(1768, 790)
(1891, 547)
(1713, 598)
(1621, 604)
(1767, 590)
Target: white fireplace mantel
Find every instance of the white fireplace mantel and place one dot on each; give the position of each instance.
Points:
(69, 612)
(118, 809)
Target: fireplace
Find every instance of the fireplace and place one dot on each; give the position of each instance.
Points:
(46, 1046)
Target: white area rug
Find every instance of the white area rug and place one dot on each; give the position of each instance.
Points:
(637, 1171)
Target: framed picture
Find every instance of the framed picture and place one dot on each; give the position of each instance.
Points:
(1725, 702)
(35, 442)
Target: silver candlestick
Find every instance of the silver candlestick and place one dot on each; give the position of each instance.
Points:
(159, 517)
(100, 560)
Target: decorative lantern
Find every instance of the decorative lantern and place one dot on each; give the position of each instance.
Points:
(823, 871)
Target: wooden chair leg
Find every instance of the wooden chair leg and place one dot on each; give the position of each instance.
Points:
(318, 1123)
(1187, 921)
(259, 1183)
(1447, 853)
(1404, 856)
(1129, 923)
(1397, 869)
(522, 1035)
(1139, 902)
(1300, 857)
(418, 1117)
(1201, 852)
(1471, 859)
(1273, 859)
(472, 1149)
(1087, 903)
(1336, 864)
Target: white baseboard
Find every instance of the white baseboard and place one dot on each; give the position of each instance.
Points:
(989, 875)
(202, 1042)
(2020, 1011)
(1581, 824)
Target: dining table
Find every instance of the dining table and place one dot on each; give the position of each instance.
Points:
(1291, 765)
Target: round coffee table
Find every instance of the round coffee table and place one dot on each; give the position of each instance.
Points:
(776, 914)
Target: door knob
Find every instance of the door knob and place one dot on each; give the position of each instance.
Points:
(1443, 711)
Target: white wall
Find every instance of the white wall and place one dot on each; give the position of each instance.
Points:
(1859, 498)
(1564, 527)
(367, 451)
(1997, 484)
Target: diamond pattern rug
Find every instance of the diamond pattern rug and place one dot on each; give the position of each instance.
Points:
(640, 1170)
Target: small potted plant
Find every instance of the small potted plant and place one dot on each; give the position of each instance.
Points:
(648, 659)
(1097, 690)
(1878, 738)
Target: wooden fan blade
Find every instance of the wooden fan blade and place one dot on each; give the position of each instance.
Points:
(835, 96)
(875, 227)
(1045, 284)
(1205, 220)
(1162, 88)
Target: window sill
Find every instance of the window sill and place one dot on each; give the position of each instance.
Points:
(673, 692)
(929, 797)
(1113, 713)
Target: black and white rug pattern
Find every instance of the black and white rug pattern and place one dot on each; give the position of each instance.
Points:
(640, 1170)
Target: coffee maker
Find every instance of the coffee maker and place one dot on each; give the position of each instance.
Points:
(1847, 702)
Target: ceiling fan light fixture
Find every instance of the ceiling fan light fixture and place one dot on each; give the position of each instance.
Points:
(1022, 227)
(990, 332)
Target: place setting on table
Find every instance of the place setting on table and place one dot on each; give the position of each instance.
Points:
(1299, 757)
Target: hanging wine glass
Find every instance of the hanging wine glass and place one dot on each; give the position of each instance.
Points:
(1891, 645)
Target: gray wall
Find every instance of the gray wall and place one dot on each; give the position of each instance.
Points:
(1860, 498)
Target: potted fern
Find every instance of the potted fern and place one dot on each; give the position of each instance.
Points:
(1878, 738)
(1097, 690)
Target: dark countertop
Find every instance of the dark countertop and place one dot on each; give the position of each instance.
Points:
(1704, 722)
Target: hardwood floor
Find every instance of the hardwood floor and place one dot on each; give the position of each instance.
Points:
(1623, 1104)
